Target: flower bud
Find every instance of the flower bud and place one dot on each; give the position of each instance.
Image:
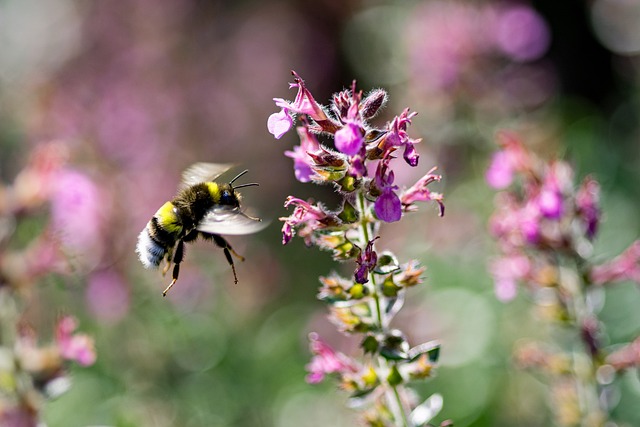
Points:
(349, 213)
(394, 378)
(375, 100)
(328, 165)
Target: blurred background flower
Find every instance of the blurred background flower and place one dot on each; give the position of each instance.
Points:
(137, 92)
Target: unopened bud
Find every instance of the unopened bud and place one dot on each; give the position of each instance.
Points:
(375, 100)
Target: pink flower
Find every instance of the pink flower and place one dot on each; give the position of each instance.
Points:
(279, 123)
(499, 175)
(77, 347)
(587, 200)
(515, 225)
(304, 215)
(506, 272)
(349, 139)
(397, 137)
(521, 33)
(513, 157)
(326, 361)
(302, 160)
(624, 267)
(550, 200)
(420, 193)
(77, 210)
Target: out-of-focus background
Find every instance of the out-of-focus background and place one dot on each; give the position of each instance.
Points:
(138, 90)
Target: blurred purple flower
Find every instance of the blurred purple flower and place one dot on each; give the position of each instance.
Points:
(76, 347)
(587, 202)
(550, 201)
(521, 33)
(625, 266)
(499, 175)
(528, 223)
(77, 210)
(506, 272)
(557, 181)
(515, 225)
(326, 361)
(18, 416)
(445, 35)
(107, 296)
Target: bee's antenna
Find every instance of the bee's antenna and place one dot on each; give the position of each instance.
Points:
(238, 176)
(251, 184)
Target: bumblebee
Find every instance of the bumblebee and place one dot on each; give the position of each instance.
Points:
(202, 208)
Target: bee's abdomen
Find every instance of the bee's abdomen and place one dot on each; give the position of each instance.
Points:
(159, 236)
(149, 250)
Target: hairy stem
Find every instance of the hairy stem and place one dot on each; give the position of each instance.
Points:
(394, 399)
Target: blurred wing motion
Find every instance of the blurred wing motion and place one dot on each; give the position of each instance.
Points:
(230, 222)
(203, 172)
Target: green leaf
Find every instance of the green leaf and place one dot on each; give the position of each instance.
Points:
(349, 213)
(431, 349)
(394, 377)
(370, 344)
(391, 353)
(387, 263)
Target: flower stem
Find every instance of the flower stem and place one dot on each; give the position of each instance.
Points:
(396, 405)
(403, 412)
(583, 359)
(365, 237)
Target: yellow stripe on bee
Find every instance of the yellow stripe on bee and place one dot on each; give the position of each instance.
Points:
(168, 218)
(214, 191)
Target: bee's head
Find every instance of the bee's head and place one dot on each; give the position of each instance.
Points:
(228, 196)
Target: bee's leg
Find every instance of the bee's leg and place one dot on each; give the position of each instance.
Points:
(177, 259)
(169, 257)
(228, 250)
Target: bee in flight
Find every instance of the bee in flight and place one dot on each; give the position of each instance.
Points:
(202, 208)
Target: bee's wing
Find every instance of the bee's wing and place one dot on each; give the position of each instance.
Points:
(203, 172)
(230, 221)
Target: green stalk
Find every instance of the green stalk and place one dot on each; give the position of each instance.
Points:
(365, 237)
(591, 413)
(395, 401)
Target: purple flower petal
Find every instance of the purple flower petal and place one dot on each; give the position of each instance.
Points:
(349, 139)
(388, 207)
(279, 123)
(410, 155)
